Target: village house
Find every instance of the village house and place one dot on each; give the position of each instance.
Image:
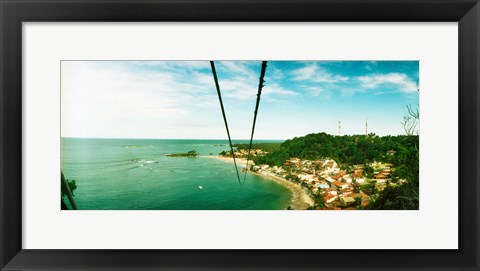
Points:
(264, 167)
(347, 200)
(307, 178)
(330, 196)
(278, 170)
(323, 185)
(365, 199)
(347, 178)
(379, 176)
(358, 173)
(341, 185)
(360, 181)
(337, 187)
(381, 184)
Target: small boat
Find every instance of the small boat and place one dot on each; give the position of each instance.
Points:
(200, 187)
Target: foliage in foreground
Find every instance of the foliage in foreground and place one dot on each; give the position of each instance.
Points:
(72, 185)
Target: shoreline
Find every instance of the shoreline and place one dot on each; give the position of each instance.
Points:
(239, 161)
(301, 200)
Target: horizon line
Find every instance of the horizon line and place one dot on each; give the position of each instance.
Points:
(246, 139)
(164, 138)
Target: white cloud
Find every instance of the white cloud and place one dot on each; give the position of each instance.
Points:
(239, 88)
(315, 91)
(242, 81)
(401, 80)
(328, 78)
(172, 65)
(238, 68)
(112, 99)
(314, 73)
(246, 89)
(274, 74)
(305, 73)
(276, 89)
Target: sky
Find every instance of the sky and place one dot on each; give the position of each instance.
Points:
(178, 99)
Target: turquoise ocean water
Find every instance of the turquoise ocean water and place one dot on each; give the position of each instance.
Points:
(136, 174)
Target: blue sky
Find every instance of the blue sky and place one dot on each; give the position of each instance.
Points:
(178, 99)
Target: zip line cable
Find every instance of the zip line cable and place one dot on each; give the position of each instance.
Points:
(260, 86)
(224, 117)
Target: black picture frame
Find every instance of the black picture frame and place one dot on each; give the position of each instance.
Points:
(15, 12)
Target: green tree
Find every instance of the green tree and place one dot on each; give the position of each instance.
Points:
(67, 188)
(192, 153)
(72, 185)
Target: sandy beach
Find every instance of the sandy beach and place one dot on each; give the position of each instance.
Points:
(240, 161)
(300, 198)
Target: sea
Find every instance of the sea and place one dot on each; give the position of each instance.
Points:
(136, 174)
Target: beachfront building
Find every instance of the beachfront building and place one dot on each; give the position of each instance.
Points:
(346, 188)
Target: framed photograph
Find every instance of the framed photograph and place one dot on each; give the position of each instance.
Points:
(239, 135)
(143, 133)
